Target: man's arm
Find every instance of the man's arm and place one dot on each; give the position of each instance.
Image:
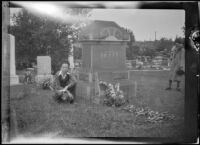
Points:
(56, 82)
(72, 80)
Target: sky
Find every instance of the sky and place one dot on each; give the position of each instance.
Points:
(143, 23)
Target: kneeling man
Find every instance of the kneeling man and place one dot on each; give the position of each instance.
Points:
(65, 84)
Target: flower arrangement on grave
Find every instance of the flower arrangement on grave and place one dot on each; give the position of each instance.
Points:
(150, 115)
(45, 83)
(113, 95)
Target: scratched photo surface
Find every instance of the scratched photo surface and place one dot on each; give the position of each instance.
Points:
(128, 65)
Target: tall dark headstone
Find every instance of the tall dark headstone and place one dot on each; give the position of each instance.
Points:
(103, 53)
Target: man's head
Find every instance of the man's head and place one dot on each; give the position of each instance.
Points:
(65, 67)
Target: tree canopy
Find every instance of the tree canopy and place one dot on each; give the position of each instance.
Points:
(130, 50)
(37, 35)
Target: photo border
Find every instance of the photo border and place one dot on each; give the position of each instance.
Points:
(191, 66)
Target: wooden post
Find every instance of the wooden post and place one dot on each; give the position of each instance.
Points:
(97, 87)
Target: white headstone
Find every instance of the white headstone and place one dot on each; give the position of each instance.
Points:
(14, 79)
(43, 68)
(43, 65)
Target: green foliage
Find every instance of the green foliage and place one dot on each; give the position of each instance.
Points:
(38, 35)
(142, 49)
(179, 40)
(149, 52)
(151, 48)
(183, 29)
(130, 49)
(164, 44)
(77, 53)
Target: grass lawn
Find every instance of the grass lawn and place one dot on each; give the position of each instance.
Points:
(38, 115)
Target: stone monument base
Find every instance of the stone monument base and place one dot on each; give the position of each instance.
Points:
(87, 89)
(87, 83)
(14, 80)
(39, 78)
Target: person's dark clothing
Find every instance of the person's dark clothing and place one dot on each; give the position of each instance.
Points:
(61, 82)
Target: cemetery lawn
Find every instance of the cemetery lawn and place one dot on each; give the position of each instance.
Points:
(37, 114)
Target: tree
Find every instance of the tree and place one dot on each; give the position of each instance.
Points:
(183, 29)
(149, 52)
(77, 52)
(135, 51)
(38, 35)
(130, 48)
(164, 44)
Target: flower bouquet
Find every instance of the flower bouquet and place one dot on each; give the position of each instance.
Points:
(113, 95)
(45, 84)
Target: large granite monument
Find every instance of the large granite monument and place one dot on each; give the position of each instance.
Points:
(103, 46)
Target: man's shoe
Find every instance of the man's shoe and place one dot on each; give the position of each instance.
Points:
(71, 102)
(169, 88)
